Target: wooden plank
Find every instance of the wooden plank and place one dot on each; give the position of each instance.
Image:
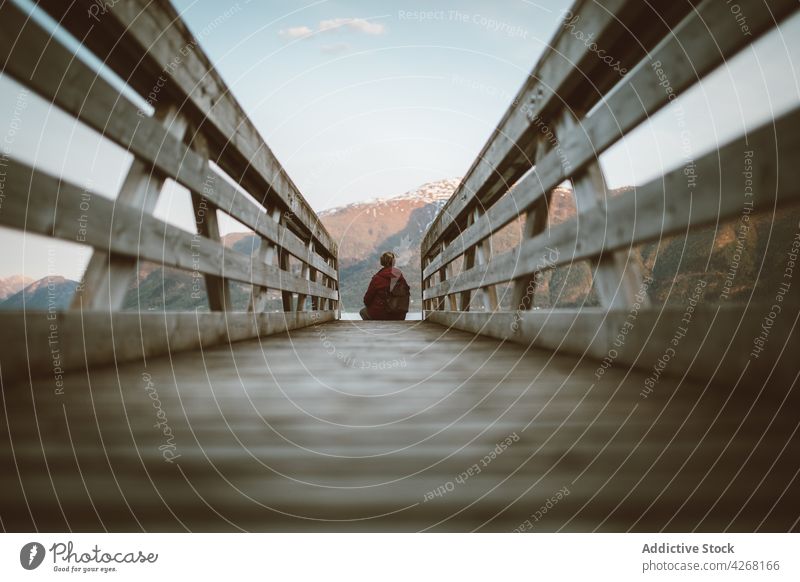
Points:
(480, 254)
(448, 301)
(483, 255)
(663, 206)
(154, 32)
(258, 438)
(79, 91)
(536, 220)
(469, 262)
(267, 254)
(43, 204)
(206, 221)
(715, 348)
(366, 452)
(314, 277)
(334, 284)
(425, 282)
(99, 338)
(616, 278)
(452, 300)
(217, 287)
(107, 278)
(324, 304)
(696, 46)
(287, 296)
(569, 74)
(305, 273)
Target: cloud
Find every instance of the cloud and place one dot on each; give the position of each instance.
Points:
(335, 49)
(296, 32)
(358, 25)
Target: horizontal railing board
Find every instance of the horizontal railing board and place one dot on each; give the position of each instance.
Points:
(542, 87)
(31, 57)
(697, 46)
(716, 346)
(153, 33)
(40, 343)
(36, 202)
(503, 159)
(662, 207)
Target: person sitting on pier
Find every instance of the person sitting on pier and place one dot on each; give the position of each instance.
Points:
(388, 294)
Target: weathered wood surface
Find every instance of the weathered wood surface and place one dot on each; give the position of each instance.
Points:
(44, 204)
(703, 39)
(145, 40)
(282, 434)
(107, 278)
(712, 343)
(569, 75)
(663, 206)
(39, 343)
(80, 91)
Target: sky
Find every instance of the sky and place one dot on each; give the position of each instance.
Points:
(400, 95)
(361, 100)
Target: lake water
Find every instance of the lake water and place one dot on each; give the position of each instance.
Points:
(410, 316)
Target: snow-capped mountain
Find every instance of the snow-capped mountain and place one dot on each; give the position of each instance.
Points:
(13, 284)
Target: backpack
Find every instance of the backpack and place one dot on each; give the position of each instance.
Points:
(398, 297)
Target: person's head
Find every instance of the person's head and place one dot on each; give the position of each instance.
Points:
(387, 259)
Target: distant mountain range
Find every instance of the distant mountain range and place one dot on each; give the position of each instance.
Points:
(365, 229)
(54, 292)
(12, 285)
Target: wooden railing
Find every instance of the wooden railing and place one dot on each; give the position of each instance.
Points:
(195, 122)
(574, 106)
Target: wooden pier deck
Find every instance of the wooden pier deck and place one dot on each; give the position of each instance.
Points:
(278, 416)
(353, 425)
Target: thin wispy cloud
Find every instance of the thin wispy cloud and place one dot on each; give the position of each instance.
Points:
(335, 49)
(356, 25)
(296, 32)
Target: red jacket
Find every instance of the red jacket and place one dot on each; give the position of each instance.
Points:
(375, 297)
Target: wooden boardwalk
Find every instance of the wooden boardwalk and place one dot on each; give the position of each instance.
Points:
(352, 425)
(442, 425)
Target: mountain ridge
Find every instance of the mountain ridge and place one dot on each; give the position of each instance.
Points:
(13, 284)
(364, 229)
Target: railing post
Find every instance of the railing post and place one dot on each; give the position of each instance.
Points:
(616, 276)
(326, 303)
(535, 223)
(313, 278)
(444, 274)
(283, 265)
(107, 277)
(305, 274)
(469, 262)
(482, 255)
(335, 304)
(452, 298)
(205, 218)
(322, 302)
(265, 255)
(424, 283)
